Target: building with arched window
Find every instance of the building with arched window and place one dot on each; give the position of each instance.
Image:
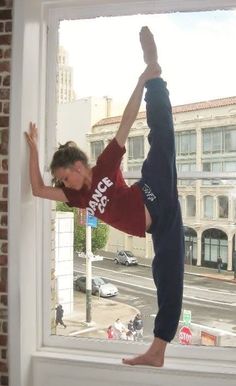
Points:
(205, 135)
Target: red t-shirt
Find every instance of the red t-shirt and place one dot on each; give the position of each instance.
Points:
(110, 199)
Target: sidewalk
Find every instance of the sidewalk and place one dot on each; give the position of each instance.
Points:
(105, 311)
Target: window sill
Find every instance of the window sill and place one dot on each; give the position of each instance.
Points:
(51, 366)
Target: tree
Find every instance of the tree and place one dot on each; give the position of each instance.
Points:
(99, 234)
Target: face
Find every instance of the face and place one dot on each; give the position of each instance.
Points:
(70, 177)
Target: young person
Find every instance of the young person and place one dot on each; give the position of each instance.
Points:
(151, 205)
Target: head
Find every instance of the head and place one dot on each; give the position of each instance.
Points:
(69, 166)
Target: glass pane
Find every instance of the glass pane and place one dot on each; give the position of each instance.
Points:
(204, 142)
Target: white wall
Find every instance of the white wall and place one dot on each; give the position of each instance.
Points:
(64, 253)
(75, 119)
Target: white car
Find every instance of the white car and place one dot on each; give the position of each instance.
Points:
(125, 257)
(99, 286)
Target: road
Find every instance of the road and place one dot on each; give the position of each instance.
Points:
(212, 302)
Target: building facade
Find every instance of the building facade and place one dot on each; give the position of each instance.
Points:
(65, 92)
(205, 135)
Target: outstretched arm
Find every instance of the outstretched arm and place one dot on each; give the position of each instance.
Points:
(39, 189)
(153, 70)
(130, 113)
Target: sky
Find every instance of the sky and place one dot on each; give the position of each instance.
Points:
(196, 52)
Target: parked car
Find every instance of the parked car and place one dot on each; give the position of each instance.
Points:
(99, 286)
(125, 257)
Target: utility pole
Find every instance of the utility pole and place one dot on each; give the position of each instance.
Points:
(88, 273)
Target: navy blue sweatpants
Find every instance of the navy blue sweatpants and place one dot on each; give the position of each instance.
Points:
(159, 186)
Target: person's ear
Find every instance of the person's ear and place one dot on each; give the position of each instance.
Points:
(77, 166)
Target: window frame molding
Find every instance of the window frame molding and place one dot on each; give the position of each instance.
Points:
(29, 331)
(54, 17)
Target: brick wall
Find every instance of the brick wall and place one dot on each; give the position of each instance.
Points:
(5, 61)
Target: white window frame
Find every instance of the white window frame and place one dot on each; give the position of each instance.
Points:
(33, 19)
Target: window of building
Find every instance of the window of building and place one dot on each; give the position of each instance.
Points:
(136, 147)
(185, 143)
(219, 140)
(96, 149)
(223, 207)
(208, 207)
(191, 206)
(230, 140)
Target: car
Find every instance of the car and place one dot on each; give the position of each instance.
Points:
(100, 287)
(126, 258)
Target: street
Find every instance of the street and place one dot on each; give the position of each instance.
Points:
(212, 302)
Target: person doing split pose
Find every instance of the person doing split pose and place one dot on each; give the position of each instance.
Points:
(150, 205)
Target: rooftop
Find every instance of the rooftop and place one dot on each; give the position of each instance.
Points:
(214, 103)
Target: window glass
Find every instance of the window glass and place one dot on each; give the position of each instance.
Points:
(208, 207)
(223, 206)
(96, 149)
(204, 141)
(136, 147)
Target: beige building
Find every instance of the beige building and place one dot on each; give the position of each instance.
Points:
(65, 92)
(205, 142)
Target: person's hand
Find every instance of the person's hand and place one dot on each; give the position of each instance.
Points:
(32, 135)
(152, 71)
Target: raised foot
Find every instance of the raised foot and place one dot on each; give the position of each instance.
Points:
(145, 360)
(148, 46)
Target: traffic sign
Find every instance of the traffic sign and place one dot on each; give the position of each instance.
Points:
(185, 335)
(187, 317)
(92, 221)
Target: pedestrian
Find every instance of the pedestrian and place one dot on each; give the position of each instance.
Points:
(219, 264)
(119, 329)
(110, 333)
(138, 327)
(131, 326)
(149, 205)
(59, 315)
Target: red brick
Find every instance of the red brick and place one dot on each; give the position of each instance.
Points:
(6, 3)
(3, 259)
(1, 52)
(4, 248)
(5, 66)
(8, 26)
(4, 220)
(5, 14)
(7, 53)
(3, 288)
(3, 234)
(4, 142)
(3, 300)
(3, 178)
(5, 39)
(3, 340)
(5, 92)
(5, 192)
(4, 121)
(3, 367)
(3, 206)
(5, 164)
(3, 354)
(6, 80)
(6, 107)
(4, 380)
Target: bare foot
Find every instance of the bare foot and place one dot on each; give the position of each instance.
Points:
(148, 46)
(153, 357)
(145, 360)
